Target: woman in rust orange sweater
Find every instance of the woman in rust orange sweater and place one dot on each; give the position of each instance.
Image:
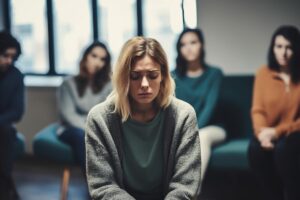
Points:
(274, 152)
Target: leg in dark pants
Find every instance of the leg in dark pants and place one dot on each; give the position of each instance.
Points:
(263, 165)
(75, 138)
(7, 139)
(287, 157)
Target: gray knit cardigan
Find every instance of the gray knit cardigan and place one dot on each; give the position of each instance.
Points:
(181, 153)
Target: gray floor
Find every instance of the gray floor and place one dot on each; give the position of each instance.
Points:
(40, 180)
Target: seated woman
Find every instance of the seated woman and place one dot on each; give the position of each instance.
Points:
(142, 142)
(78, 94)
(274, 153)
(199, 84)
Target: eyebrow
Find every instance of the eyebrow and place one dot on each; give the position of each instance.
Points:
(155, 70)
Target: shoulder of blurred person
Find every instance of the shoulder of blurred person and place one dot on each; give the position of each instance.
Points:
(265, 70)
(12, 72)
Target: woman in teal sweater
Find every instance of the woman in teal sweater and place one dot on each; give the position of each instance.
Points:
(198, 84)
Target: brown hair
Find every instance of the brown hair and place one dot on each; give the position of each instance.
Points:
(100, 78)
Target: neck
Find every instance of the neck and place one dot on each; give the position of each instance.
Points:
(143, 113)
(285, 70)
(3, 69)
(90, 79)
(195, 69)
(195, 66)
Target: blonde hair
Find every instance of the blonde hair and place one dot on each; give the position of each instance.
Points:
(134, 49)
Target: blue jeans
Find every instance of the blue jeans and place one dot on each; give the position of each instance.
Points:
(277, 170)
(75, 138)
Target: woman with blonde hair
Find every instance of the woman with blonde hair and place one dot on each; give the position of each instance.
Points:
(142, 142)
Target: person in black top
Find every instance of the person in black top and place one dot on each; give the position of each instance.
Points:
(11, 110)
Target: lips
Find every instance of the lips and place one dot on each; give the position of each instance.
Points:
(144, 95)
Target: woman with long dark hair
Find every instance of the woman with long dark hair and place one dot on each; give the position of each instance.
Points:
(78, 94)
(274, 153)
(199, 84)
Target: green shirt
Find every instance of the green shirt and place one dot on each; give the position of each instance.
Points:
(201, 92)
(143, 156)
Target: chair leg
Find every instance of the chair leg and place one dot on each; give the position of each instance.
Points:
(65, 184)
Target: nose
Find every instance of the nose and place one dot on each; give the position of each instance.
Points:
(9, 60)
(145, 83)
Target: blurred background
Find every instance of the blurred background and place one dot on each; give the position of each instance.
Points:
(53, 34)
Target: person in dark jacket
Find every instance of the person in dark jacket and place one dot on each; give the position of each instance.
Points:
(11, 110)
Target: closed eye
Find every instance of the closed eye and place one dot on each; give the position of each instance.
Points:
(153, 75)
(134, 76)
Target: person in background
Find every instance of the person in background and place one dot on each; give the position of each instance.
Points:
(199, 84)
(274, 153)
(142, 142)
(78, 94)
(12, 98)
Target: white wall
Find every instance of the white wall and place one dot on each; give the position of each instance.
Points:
(238, 32)
(41, 110)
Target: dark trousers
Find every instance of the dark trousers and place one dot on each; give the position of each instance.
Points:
(277, 170)
(75, 138)
(7, 139)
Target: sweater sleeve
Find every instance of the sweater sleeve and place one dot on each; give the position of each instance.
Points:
(67, 108)
(100, 171)
(15, 110)
(186, 178)
(258, 112)
(211, 99)
(287, 128)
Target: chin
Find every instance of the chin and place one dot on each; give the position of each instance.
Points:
(284, 65)
(144, 101)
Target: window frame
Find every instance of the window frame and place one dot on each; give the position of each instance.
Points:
(50, 29)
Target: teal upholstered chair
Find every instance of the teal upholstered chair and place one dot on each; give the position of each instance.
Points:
(234, 104)
(46, 145)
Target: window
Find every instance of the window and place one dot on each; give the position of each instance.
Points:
(163, 21)
(54, 33)
(190, 14)
(73, 33)
(117, 23)
(30, 28)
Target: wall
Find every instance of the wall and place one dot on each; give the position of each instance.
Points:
(40, 111)
(238, 32)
